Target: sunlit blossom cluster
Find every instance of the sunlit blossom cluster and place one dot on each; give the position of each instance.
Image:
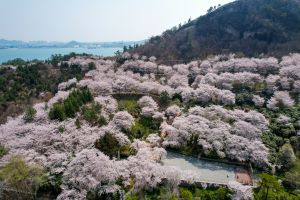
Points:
(233, 134)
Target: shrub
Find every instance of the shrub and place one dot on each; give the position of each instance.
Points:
(149, 122)
(3, 151)
(213, 194)
(22, 177)
(101, 121)
(244, 98)
(108, 144)
(29, 114)
(61, 129)
(177, 97)
(283, 130)
(166, 193)
(78, 124)
(137, 131)
(92, 66)
(272, 141)
(185, 194)
(126, 151)
(102, 195)
(92, 115)
(287, 156)
(164, 99)
(291, 179)
(143, 127)
(57, 112)
(52, 187)
(131, 197)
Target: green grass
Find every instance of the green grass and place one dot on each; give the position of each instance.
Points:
(129, 105)
(131, 197)
(142, 127)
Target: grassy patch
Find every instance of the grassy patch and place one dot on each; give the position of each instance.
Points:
(129, 105)
(143, 127)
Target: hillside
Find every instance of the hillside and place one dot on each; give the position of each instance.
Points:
(23, 83)
(106, 135)
(251, 27)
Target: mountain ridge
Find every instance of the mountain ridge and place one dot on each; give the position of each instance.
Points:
(251, 28)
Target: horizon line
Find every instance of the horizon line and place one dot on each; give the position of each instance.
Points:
(69, 41)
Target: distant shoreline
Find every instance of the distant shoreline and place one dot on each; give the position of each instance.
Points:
(7, 44)
(44, 53)
(45, 47)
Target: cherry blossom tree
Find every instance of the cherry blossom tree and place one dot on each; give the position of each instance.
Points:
(216, 133)
(280, 99)
(233, 134)
(152, 59)
(173, 111)
(60, 95)
(122, 120)
(154, 140)
(290, 60)
(205, 67)
(148, 105)
(126, 55)
(258, 101)
(66, 85)
(240, 191)
(109, 104)
(246, 130)
(140, 66)
(178, 81)
(97, 87)
(282, 119)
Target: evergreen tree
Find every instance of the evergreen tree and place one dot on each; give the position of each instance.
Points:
(29, 114)
(108, 144)
(164, 99)
(77, 124)
(269, 187)
(57, 112)
(287, 156)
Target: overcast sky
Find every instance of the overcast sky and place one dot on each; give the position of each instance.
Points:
(95, 20)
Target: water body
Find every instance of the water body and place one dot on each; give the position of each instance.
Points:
(45, 53)
(210, 171)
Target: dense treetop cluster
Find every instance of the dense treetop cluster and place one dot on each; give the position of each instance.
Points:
(222, 107)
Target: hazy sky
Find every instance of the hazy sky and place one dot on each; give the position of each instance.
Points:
(95, 20)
